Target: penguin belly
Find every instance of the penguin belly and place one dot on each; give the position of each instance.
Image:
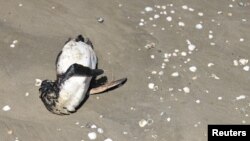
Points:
(73, 90)
(76, 52)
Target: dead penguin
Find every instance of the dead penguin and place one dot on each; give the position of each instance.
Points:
(75, 67)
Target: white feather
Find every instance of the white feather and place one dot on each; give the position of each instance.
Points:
(76, 52)
(73, 91)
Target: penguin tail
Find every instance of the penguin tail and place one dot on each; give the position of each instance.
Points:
(108, 86)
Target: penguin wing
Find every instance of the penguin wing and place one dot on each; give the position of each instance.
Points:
(80, 70)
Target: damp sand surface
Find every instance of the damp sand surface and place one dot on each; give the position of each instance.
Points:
(186, 63)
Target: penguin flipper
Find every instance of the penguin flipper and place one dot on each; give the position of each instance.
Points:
(80, 70)
(108, 86)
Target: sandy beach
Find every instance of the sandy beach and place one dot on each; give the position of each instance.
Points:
(187, 64)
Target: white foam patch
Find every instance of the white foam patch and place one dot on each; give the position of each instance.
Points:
(175, 74)
(100, 130)
(186, 89)
(169, 19)
(219, 12)
(151, 85)
(230, 14)
(141, 24)
(191, 9)
(154, 72)
(6, 108)
(166, 60)
(108, 139)
(27, 94)
(161, 73)
(194, 78)
(12, 45)
(240, 97)
(15, 42)
(193, 68)
(236, 63)
(149, 45)
(183, 53)
(181, 24)
(198, 26)
(93, 126)
(241, 39)
(143, 123)
(198, 101)
(170, 89)
(219, 98)
(172, 11)
(210, 36)
(243, 61)
(212, 44)
(38, 82)
(210, 64)
(92, 135)
(100, 19)
(10, 132)
(246, 68)
(185, 7)
(148, 9)
(215, 76)
(152, 56)
(166, 55)
(200, 14)
(156, 16)
(191, 46)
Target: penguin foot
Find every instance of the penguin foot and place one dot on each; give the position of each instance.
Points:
(108, 86)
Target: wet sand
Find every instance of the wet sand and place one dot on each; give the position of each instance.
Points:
(205, 42)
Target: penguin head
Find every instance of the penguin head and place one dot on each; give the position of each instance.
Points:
(49, 94)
